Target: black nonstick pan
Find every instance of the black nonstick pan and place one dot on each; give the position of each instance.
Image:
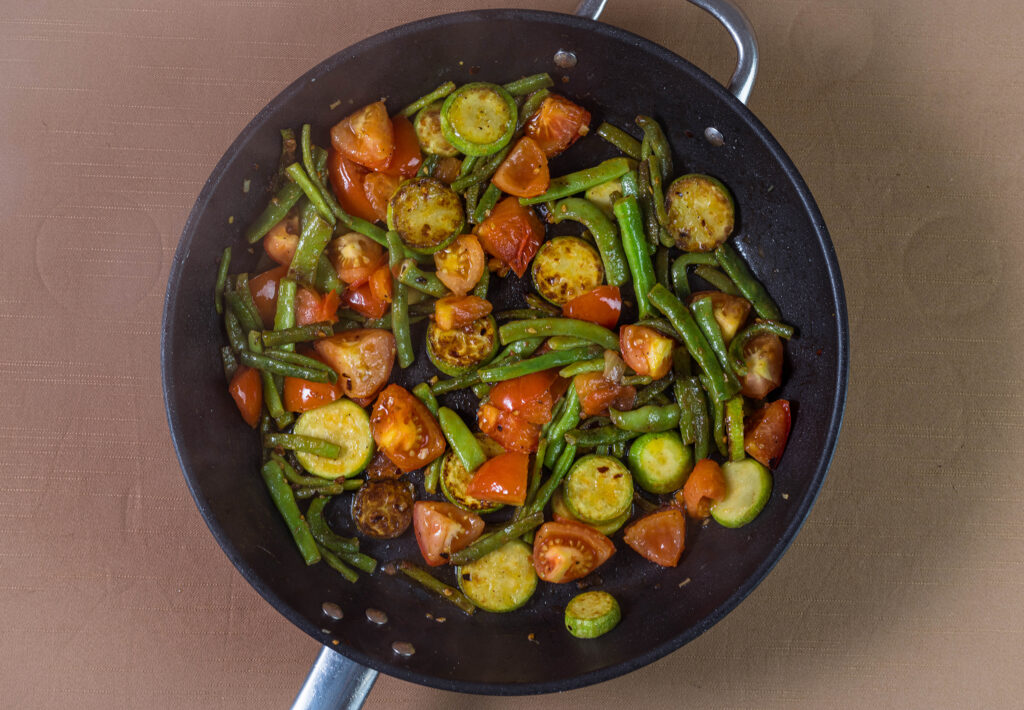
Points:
(616, 75)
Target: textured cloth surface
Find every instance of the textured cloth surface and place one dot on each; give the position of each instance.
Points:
(902, 590)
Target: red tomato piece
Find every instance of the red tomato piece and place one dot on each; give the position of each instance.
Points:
(281, 240)
(597, 394)
(524, 172)
(646, 350)
(405, 430)
(381, 284)
(531, 397)
(601, 305)
(501, 479)
(361, 300)
(763, 355)
(362, 357)
(731, 312)
(379, 187)
(513, 432)
(264, 293)
(459, 311)
(659, 537)
(311, 307)
(563, 552)
(366, 136)
(704, 487)
(442, 528)
(767, 431)
(347, 182)
(406, 159)
(302, 395)
(512, 234)
(558, 124)
(246, 389)
(355, 256)
(461, 264)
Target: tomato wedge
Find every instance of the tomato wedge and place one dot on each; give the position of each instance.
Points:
(382, 284)
(366, 136)
(558, 124)
(362, 300)
(601, 305)
(281, 241)
(347, 182)
(459, 311)
(513, 432)
(379, 187)
(646, 350)
(763, 355)
(767, 431)
(246, 389)
(302, 395)
(705, 486)
(405, 430)
(524, 172)
(658, 537)
(264, 292)
(460, 265)
(311, 307)
(406, 159)
(563, 552)
(363, 359)
(355, 256)
(531, 397)
(442, 528)
(512, 234)
(731, 312)
(501, 479)
(597, 394)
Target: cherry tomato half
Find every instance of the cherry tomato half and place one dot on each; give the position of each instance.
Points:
(264, 292)
(302, 395)
(558, 124)
(763, 355)
(512, 234)
(362, 300)
(601, 305)
(704, 487)
(405, 430)
(442, 528)
(281, 241)
(246, 389)
(501, 479)
(646, 350)
(524, 172)
(406, 159)
(366, 136)
(767, 431)
(363, 359)
(347, 182)
(355, 256)
(311, 307)
(461, 264)
(531, 397)
(459, 311)
(597, 394)
(658, 537)
(563, 552)
(511, 431)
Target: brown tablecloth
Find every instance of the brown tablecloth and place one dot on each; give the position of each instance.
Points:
(903, 589)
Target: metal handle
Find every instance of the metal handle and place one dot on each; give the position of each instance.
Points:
(738, 26)
(335, 682)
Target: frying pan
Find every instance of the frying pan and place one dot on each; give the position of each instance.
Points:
(616, 75)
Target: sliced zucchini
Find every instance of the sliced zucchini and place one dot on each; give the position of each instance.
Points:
(604, 194)
(592, 614)
(502, 580)
(428, 131)
(701, 212)
(426, 213)
(748, 486)
(598, 489)
(454, 479)
(457, 351)
(344, 423)
(479, 118)
(566, 267)
(660, 462)
(559, 509)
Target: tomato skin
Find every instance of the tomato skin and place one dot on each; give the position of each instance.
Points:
(459, 311)
(406, 159)
(366, 136)
(731, 312)
(362, 357)
(405, 430)
(658, 537)
(646, 350)
(355, 257)
(347, 183)
(461, 264)
(705, 485)
(601, 305)
(524, 172)
(558, 124)
(763, 355)
(302, 395)
(442, 528)
(280, 241)
(379, 187)
(563, 552)
(246, 389)
(767, 431)
(361, 300)
(382, 285)
(597, 394)
(512, 234)
(501, 479)
(311, 307)
(531, 397)
(513, 432)
(264, 292)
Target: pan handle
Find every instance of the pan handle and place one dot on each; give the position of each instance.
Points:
(335, 683)
(739, 27)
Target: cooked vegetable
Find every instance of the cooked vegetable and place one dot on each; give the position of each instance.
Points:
(284, 501)
(732, 263)
(705, 487)
(523, 172)
(620, 139)
(561, 513)
(405, 430)
(345, 424)
(730, 311)
(580, 181)
(604, 195)
(479, 118)
(529, 84)
(426, 213)
(701, 213)
(660, 462)
(564, 552)
(510, 430)
(592, 614)
(734, 427)
(366, 136)
(601, 305)
(598, 489)
(627, 211)
(442, 528)
(276, 210)
(461, 264)
(502, 479)
(546, 327)
(646, 350)
(767, 431)
(431, 583)
(500, 581)
(246, 389)
(566, 268)
(651, 417)
(362, 357)
(557, 124)
(462, 441)
(605, 236)
(658, 537)
(597, 393)
(748, 486)
(740, 345)
(454, 482)
(512, 234)
(383, 509)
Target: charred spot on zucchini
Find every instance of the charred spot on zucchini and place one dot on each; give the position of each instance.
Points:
(454, 480)
(566, 267)
(427, 125)
(426, 213)
(598, 489)
(660, 462)
(701, 212)
(502, 580)
(456, 351)
(592, 614)
(479, 118)
(748, 485)
(383, 508)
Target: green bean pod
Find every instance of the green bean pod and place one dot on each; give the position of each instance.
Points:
(297, 173)
(460, 438)
(222, 280)
(305, 444)
(274, 212)
(284, 318)
(568, 419)
(435, 585)
(400, 326)
(651, 391)
(236, 336)
(423, 281)
(530, 107)
(547, 361)
(740, 340)
(627, 211)
(276, 366)
(486, 203)
(734, 427)
(313, 238)
(297, 334)
(704, 314)
(605, 235)
(580, 181)
(660, 148)
(679, 266)
(593, 365)
(436, 95)
(546, 327)
(620, 139)
(423, 393)
(717, 420)
(583, 438)
(229, 361)
(529, 84)
(492, 541)
(648, 418)
(733, 265)
(284, 501)
(717, 278)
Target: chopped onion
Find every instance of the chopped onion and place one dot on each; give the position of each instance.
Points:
(614, 367)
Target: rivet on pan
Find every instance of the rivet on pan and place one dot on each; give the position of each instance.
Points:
(565, 59)
(377, 616)
(403, 648)
(332, 610)
(714, 136)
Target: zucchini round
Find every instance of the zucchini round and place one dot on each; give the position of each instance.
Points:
(426, 213)
(560, 510)
(598, 489)
(457, 351)
(427, 125)
(604, 194)
(502, 580)
(748, 486)
(342, 422)
(592, 614)
(479, 118)
(566, 267)
(701, 212)
(660, 462)
(454, 480)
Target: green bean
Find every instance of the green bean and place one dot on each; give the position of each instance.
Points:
(428, 166)
(732, 263)
(593, 365)
(326, 278)
(345, 547)
(647, 418)
(487, 202)
(433, 584)
(662, 325)
(313, 238)
(652, 228)
(627, 211)
(619, 449)
(433, 475)
(630, 186)
(580, 181)
(481, 390)
(335, 563)
(565, 342)
(275, 211)
(683, 388)
(305, 444)
(694, 340)
(583, 438)
(423, 393)
(661, 267)
(499, 538)
(520, 314)
(222, 280)
(529, 84)
(297, 334)
(302, 361)
(423, 281)
(230, 363)
(530, 106)
(284, 501)
(241, 302)
(595, 422)
(740, 340)
(236, 336)
(536, 471)
(659, 145)
(469, 164)
(658, 201)
(539, 304)
(335, 489)
(480, 290)
(652, 390)
(546, 327)
(284, 318)
(455, 383)
(717, 279)
(603, 449)
(605, 236)
(734, 427)
(297, 173)
(253, 341)
(288, 147)
(436, 95)
(636, 380)
(620, 139)
(399, 306)
(518, 350)
(717, 419)
(557, 358)
(297, 479)
(682, 363)
(276, 366)
(679, 279)
(460, 438)
(704, 314)
(313, 170)
(384, 322)
(569, 419)
(482, 171)
(472, 197)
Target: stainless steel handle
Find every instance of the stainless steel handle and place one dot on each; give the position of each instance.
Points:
(334, 683)
(738, 26)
